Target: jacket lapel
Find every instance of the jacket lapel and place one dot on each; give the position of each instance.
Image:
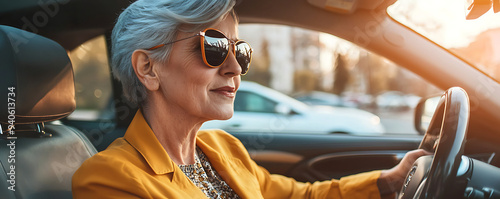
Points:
(233, 172)
(142, 138)
(231, 169)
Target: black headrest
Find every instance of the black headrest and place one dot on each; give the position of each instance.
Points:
(36, 78)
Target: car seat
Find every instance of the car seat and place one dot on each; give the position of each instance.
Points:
(36, 89)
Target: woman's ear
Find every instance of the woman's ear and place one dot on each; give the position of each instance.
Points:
(143, 67)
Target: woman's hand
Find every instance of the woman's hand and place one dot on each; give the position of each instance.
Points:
(392, 180)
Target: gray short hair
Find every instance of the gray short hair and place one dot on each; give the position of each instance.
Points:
(147, 23)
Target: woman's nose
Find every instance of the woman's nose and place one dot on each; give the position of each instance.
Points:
(231, 67)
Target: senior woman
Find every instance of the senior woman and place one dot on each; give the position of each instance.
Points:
(181, 61)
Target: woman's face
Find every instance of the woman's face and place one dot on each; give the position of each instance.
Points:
(190, 86)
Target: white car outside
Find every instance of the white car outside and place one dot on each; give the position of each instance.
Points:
(262, 109)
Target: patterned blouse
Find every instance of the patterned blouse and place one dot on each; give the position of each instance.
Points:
(207, 179)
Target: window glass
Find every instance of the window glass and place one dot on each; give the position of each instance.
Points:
(324, 70)
(92, 80)
(445, 23)
(250, 102)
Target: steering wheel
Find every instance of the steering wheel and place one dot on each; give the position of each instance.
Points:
(434, 177)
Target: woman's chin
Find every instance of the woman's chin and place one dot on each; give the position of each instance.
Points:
(226, 116)
(223, 115)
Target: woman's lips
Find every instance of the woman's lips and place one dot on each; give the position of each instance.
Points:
(227, 91)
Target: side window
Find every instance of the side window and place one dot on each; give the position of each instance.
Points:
(321, 70)
(92, 81)
(250, 102)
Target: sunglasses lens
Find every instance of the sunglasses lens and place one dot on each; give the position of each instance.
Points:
(216, 47)
(216, 50)
(243, 55)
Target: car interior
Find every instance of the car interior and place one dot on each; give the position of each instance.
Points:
(38, 94)
(45, 153)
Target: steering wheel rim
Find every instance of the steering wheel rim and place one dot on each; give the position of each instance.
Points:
(451, 119)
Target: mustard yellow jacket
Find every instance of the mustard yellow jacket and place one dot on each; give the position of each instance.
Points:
(137, 166)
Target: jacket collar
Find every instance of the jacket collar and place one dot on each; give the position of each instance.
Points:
(142, 138)
(231, 169)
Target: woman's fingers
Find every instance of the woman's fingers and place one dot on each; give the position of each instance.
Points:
(391, 180)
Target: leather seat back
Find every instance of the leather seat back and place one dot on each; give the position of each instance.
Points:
(38, 160)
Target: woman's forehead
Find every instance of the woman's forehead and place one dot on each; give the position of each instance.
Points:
(228, 26)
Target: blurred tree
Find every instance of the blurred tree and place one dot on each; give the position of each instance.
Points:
(341, 75)
(375, 72)
(259, 68)
(304, 80)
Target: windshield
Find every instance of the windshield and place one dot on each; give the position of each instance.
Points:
(477, 41)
